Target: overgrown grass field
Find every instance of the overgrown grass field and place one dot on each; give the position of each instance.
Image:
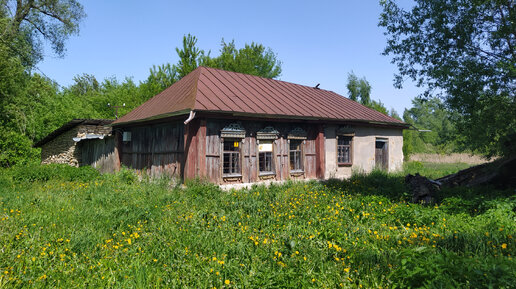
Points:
(65, 228)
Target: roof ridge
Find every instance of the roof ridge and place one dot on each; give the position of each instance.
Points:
(266, 78)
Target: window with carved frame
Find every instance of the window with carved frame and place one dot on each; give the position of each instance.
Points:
(265, 139)
(296, 139)
(231, 157)
(232, 138)
(296, 155)
(265, 157)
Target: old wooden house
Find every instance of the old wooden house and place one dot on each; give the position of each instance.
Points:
(80, 142)
(230, 127)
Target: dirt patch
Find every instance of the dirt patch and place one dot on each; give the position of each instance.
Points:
(450, 158)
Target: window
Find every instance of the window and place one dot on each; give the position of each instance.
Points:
(265, 157)
(296, 162)
(231, 157)
(344, 150)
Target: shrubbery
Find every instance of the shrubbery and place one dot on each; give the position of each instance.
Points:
(15, 149)
(62, 172)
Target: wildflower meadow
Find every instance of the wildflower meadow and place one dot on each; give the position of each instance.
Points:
(68, 228)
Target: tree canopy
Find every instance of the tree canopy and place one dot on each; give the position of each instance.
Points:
(465, 52)
(359, 90)
(27, 22)
(436, 130)
(31, 106)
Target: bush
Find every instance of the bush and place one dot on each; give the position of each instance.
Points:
(33, 173)
(15, 149)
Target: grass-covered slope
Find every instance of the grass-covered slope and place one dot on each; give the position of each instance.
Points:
(79, 229)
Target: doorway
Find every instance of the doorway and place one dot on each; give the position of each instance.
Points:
(381, 155)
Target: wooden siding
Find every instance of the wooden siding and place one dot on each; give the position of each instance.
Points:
(98, 153)
(249, 151)
(154, 149)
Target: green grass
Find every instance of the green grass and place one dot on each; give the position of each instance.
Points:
(433, 170)
(114, 231)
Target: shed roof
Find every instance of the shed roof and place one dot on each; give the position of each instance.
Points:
(214, 90)
(69, 125)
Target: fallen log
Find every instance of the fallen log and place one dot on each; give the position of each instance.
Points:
(500, 173)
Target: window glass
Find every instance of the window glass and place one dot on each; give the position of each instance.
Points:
(296, 163)
(231, 157)
(344, 150)
(265, 156)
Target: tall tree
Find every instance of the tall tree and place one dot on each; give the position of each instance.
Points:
(252, 59)
(464, 51)
(189, 57)
(438, 132)
(28, 100)
(30, 21)
(359, 89)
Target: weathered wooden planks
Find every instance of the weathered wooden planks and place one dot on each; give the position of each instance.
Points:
(156, 149)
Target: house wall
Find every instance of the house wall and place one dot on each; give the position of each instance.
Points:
(63, 149)
(156, 149)
(363, 150)
(249, 151)
(99, 153)
(196, 150)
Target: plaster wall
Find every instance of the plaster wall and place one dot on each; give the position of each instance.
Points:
(363, 150)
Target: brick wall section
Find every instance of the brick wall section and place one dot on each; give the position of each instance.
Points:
(63, 150)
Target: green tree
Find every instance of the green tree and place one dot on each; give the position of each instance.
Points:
(31, 21)
(15, 148)
(359, 90)
(464, 51)
(437, 132)
(253, 59)
(189, 57)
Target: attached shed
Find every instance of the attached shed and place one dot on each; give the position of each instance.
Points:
(81, 142)
(230, 127)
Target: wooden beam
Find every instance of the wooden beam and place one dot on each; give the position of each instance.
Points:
(320, 152)
(201, 145)
(118, 150)
(191, 151)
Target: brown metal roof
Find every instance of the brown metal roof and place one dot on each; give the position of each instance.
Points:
(214, 90)
(69, 125)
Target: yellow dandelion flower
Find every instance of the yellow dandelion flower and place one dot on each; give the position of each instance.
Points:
(227, 282)
(504, 246)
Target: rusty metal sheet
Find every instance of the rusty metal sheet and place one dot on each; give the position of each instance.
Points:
(215, 90)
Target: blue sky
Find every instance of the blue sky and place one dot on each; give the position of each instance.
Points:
(317, 41)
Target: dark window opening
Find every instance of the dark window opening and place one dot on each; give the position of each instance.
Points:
(344, 150)
(296, 161)
(231, 157)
